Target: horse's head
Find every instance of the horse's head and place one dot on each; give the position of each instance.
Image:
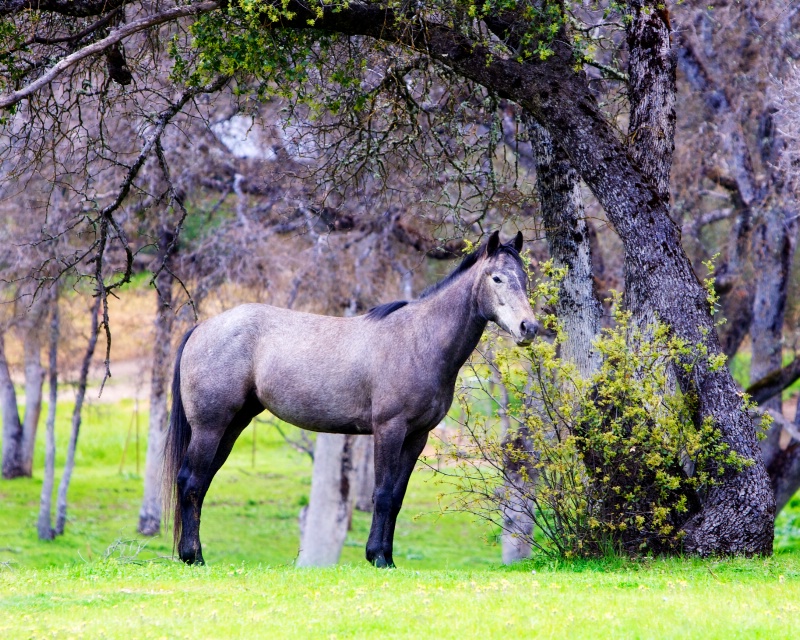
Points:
(502, 289)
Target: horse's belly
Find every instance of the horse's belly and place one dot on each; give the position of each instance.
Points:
(309, 402)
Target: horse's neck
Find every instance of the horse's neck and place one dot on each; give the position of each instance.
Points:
(454, 324)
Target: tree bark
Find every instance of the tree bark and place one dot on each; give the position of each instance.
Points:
(69, 464)
(150, 512)
(651, 130)
(365, 473)
(578, 308)
(44, 525)
(773, 250)
(13, 463)
(34, 385)
(325, 520)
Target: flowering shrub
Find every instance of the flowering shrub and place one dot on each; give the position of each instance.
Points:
(615, 463)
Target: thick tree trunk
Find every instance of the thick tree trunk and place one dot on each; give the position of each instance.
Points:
(45, 523)
(326, 519)
(69, 464)
(651, 130)
(782, 457)
(13, 463)
(150, 512)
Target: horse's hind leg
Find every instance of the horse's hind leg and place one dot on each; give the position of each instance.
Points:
(199, 468)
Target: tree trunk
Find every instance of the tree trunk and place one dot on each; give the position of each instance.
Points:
(13, 463)
(651, 130)
(568, 239)
(783, 460)
(45, 524)
(578, 308)
(326, 519)
(365, 472)
(34, 385)
(69, 464)
(516, 508)
(150, 512)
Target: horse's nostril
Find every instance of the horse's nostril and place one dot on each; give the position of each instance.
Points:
(528, 328)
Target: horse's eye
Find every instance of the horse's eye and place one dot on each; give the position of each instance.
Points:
(496, 279)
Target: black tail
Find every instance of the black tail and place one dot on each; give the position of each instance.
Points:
(178, 436)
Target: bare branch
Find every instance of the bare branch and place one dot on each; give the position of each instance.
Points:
(116, 36)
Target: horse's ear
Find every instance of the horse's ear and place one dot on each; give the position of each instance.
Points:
(518, 240)
(494, 243)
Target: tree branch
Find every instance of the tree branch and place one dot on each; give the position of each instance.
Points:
(775, 382)
(116, 36)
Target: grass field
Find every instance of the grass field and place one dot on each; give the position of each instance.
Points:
(450, 583)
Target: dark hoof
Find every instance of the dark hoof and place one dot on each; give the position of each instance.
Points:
(192, 557)
(381, 562)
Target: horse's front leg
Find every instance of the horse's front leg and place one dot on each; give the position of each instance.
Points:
(389, 439)
(393, 466)
(412, 448)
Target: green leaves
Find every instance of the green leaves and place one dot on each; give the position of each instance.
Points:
(618, 462)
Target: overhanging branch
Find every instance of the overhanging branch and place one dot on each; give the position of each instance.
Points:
(116, 36)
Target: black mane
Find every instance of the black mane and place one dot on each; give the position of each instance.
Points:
(383, 310)
(466, 264)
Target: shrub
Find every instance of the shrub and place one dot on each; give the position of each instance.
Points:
(616, 463)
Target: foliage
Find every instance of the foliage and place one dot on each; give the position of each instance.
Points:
(615, 463)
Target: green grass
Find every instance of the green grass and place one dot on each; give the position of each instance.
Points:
(250, 513)
(449, 585)
(661, 599)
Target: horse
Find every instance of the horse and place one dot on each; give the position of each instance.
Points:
(390, 372)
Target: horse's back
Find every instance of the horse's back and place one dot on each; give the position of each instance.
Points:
(310, 370)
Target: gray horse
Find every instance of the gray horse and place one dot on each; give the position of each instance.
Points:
(390, 372)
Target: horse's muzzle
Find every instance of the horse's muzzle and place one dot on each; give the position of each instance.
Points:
(528, 329)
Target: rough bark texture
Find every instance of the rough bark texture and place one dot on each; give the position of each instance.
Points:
(651, 130)
(568, 239)
(326, 519)
(13, 464)
(651, 92)
(773, 249)
(44, 526)
(150, 512)
(69, 464)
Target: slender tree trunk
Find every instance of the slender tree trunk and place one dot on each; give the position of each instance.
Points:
(365, 472)
(326, 519)
(773, 250)
(34, 385)
(783, 461)
(150, 513)
(69, 465)
(13, 464)
(45, 523)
